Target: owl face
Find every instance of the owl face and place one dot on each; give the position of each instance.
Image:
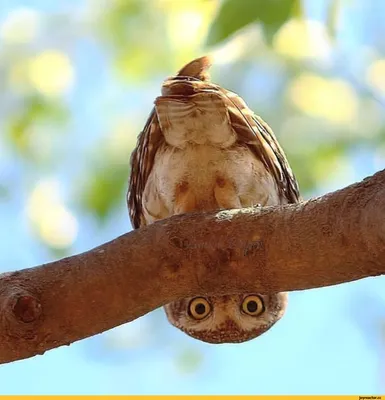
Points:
(227, 319)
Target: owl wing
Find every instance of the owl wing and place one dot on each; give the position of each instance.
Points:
(252, 131)
(142, 160)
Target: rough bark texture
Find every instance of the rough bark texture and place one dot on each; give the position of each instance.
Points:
(336, 238)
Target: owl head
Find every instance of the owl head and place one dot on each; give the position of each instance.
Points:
(228, 318)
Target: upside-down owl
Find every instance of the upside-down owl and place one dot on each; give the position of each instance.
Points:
(203, 149)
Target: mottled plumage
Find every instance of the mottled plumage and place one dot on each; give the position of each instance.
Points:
(203, 149)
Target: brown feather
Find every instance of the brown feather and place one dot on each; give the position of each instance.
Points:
(197, 68)
(142, 160)
(254, 132)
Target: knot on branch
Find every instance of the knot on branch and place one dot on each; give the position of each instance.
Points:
(21, 311)
(27, 309)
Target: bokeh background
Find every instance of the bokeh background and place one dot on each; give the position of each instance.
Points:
(77, 82)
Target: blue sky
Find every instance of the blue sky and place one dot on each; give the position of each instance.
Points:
(328, 342)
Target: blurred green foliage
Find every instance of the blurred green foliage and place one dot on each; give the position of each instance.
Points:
(104, 189)
(332, 17)
(34, 109)
(234, 15)
(189, 360)
(134, 33)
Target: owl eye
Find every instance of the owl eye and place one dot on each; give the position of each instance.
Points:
(253, 305)
(199, 308)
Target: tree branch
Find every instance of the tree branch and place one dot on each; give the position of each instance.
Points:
(332, 239)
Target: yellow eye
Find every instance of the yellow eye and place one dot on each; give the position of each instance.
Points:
(199, 308)
(253, 305)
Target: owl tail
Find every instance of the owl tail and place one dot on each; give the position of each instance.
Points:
(197, 68)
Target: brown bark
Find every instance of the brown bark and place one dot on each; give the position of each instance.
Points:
(336, 238)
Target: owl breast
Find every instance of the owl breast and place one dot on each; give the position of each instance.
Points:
(204, 177)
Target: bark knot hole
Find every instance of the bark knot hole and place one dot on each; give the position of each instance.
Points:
(27, 309)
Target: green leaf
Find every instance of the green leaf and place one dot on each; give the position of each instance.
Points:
(236, 14)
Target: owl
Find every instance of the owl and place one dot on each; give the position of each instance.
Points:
(203, 149)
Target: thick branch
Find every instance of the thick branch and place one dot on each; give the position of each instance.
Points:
(336, 238)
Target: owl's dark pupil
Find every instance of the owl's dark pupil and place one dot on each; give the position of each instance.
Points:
(252, 306)
(200, 308)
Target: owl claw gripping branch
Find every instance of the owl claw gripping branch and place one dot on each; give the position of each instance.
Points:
(203, 149)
